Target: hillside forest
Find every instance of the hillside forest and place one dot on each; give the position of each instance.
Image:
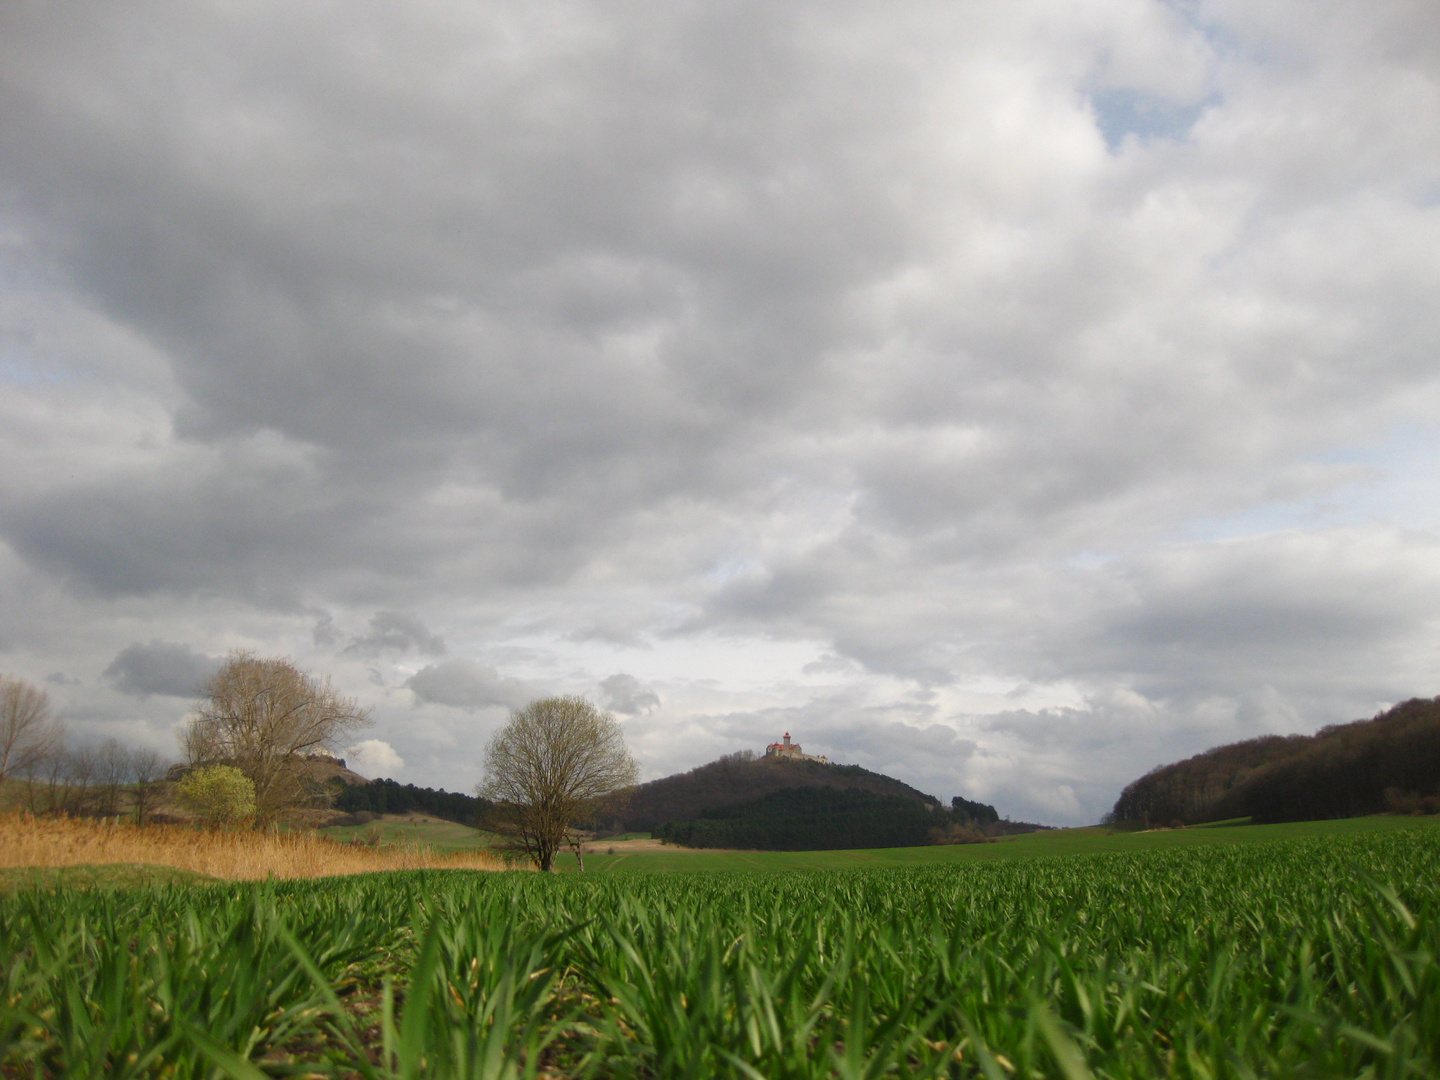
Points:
(1390, 762)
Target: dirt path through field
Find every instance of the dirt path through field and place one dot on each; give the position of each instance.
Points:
(639, 847)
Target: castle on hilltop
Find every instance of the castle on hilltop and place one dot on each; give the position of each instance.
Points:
(788, 751)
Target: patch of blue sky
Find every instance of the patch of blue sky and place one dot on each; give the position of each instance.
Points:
(1401, 488)
(18, 370)
(1429, 195)
(1124, 112)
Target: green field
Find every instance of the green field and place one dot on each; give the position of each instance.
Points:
(1086, 841)
(1305, 952)
(110, 876)
(448, 836)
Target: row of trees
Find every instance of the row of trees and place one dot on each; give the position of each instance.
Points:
(386, 796)
(555, 767)
(108, 779)
(104, 779)
(558, 766)
(259, 716)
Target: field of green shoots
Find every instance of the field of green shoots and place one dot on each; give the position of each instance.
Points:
(1299, 957)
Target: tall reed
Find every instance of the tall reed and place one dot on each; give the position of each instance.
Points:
(28, 841)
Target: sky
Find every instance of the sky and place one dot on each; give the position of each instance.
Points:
(1009, 398)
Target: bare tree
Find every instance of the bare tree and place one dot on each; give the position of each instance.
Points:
(147, 768)
(79, 769)
(261, 715)
(56, 767)
(28, 733)
(556, 764)
(112, 772)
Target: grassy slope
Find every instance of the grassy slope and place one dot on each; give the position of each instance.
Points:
(1055, 842)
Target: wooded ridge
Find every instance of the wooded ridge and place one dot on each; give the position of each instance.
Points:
(1390, 762)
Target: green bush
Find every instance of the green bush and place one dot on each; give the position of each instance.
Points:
(220, 794)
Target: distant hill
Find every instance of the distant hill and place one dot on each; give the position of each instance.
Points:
(742, 778)
(1389, 762)
(320, 768)
(324, 768)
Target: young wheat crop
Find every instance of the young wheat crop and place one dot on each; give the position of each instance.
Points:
(1311, 957)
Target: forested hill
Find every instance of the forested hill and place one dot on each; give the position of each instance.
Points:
(1390, 762)
(741, 778)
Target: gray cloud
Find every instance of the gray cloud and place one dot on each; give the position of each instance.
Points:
(627, 695)
(391, 632)
(160, 668)
(465, 684)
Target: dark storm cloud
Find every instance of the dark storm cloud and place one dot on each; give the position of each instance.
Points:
(160, 668)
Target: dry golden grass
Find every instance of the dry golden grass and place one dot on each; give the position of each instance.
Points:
(27, 841)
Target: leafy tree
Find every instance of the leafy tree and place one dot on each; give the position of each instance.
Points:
(554, 766)
(220, 794)
(262, 715)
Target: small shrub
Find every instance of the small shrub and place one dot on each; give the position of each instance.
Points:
(220, 794)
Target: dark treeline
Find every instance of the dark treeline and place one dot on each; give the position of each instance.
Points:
(1390, 762)
(385, 796)
(973, 813)
(810, 819)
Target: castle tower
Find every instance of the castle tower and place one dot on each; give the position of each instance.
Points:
(791, 751)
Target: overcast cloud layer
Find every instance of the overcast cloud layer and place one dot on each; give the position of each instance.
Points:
(1008, 397)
